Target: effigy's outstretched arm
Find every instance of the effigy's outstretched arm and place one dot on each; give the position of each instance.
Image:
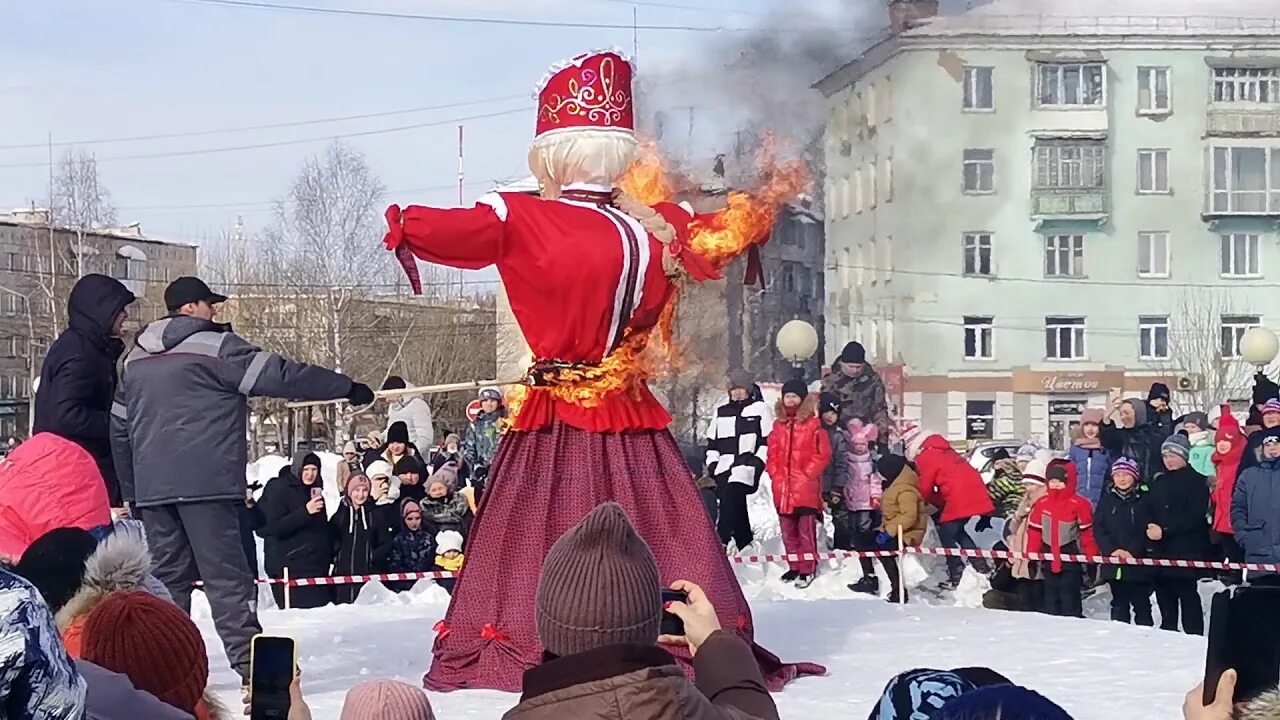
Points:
(466, 238)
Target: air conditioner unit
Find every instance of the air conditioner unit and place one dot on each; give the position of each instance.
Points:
(1190, 383)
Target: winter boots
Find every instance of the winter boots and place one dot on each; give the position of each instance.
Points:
(804, 581)
(869, 584)
(790, 576)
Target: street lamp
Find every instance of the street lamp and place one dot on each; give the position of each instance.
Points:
(1259, 346)
(797, 341)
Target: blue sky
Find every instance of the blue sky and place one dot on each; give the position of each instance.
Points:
(92, 69)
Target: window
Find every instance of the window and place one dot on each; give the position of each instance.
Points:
(1233, 328)
(1246, 180)
(871, 186)
(888, 259)
(1071, 164)
(978, 333)
(979, 419)
(1064, 338)
(1153, 91)
(977, 254)
(1153, 337)
(844, 197)
(872, 117)
(130, 264)
(979, 171)
(1064, 256)
(1241, 85)
(1070, 85)
(888, 177)
(1241, 255)
(1153, 171)
(857, 190)
(978, 92)
(1153, 254)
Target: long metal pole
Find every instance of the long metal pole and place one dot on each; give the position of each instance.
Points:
(423, 390)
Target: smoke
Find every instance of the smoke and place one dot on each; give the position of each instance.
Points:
(744, 84)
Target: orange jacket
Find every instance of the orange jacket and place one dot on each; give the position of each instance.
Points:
(798, 454)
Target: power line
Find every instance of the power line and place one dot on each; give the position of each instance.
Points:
(259, 205)
(267, 126)
(695, 8)
(281, 143)
(445, 18)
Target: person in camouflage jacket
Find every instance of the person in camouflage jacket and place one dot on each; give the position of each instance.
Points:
(860, 389)
(481, 442)
(1006, 489)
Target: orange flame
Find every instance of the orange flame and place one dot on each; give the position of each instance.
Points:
(646, 179)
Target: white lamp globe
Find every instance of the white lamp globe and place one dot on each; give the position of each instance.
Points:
(1259, 346)
(797, 341)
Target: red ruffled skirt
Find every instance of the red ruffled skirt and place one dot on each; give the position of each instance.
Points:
(542, 483)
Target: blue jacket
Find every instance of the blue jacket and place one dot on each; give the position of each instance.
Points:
(1092, 468)
(37, 679)
(1255, 512)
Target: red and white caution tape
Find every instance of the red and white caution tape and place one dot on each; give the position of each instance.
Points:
(836, 555)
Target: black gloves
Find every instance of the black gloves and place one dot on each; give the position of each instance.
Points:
(360, 394)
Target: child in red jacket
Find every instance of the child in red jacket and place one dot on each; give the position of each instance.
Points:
(1229, 444)
(948, 482)
(798, 454)
(1062, 522)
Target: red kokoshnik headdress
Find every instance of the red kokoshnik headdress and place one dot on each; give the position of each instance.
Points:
(591, 91)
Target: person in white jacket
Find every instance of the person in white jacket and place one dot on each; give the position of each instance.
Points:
(737, 446)
(414, 412)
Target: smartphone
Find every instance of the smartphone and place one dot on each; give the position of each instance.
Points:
(273, 662)
(316, 492)
(1244, 635)
(671, 624)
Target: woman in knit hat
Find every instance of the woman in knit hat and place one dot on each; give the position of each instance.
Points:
(1229, 445)
(413, 549)
(156, 645)
(1091, 459)
(361, 544)
(798, 453)
(1026, 573)
(386, 700)
(1178, 529)
(598, 611)
(411, 473)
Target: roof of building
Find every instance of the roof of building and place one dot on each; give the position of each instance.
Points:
(132, 232)
(1109, 17)
(1093, 19)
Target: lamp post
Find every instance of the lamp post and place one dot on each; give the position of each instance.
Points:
(797, 341)
(1259, 347)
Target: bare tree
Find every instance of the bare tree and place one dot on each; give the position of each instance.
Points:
(1202, 344)
(81, 202)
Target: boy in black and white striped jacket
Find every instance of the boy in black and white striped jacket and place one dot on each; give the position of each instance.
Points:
(737, 444)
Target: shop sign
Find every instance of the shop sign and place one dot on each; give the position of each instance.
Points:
(1028, 381)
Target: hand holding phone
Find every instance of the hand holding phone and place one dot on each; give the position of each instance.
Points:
(696, 613)
(1244, 642)
(316, 503)
(672, 624)
(273, 665)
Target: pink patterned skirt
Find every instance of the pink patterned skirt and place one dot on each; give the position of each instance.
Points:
(542, 483)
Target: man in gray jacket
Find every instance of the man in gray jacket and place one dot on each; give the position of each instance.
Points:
(178, 440)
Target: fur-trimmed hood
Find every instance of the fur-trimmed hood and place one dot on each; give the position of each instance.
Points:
(1264, 707)
(121, 563)
(807, 409)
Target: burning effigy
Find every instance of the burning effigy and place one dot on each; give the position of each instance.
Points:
(592, 270)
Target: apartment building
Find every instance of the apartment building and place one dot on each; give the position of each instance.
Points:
(1033, 202)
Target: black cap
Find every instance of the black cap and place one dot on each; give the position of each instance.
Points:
(188, 289)
(395, 382)
(829, 402)
(853, 353)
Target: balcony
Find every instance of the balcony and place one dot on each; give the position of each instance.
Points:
(1234, 119)
(1070, 204)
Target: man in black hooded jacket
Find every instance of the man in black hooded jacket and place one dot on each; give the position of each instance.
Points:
(78, 378)
(1128, 433)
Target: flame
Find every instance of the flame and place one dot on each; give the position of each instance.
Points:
(647, 179)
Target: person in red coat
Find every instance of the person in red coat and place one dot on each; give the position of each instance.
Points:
(1228, 451)
(1062, 522)
(798, 454)
(948, 482)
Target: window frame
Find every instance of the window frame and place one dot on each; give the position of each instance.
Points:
(970, 86)
(1052, 162)
(1270, 190)
(1154, 189)
(1228, 242)
(1262, 81)
(1061, 69)
(1237, 325)
(971, 414)
(976, 238)
(1075, 256)
(1149, 327)
(1150, 255)
(980, 327)
(1077, 325)
(978, 164)
(1148, 74)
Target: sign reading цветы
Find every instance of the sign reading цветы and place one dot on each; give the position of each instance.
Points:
(1031, 381)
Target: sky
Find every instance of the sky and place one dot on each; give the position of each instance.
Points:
(84, 71)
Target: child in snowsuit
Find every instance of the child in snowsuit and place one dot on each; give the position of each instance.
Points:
(1062, 522)
(901, 512)
(948, 482)
(798, 453)
(836, 477)
(861, 499)
(360, 544)
(449, 556)
(1227, 453)
(413, 549)
(1120, 527)
(444, 508)
(1005, 488)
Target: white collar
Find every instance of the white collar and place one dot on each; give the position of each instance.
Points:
(588, 187)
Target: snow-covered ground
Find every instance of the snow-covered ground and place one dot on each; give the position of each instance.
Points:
(1096, 669)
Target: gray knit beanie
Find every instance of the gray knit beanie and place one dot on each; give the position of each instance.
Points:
(599, 586)
(1177, 444)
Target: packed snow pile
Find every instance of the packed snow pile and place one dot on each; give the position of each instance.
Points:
(1095, 669)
